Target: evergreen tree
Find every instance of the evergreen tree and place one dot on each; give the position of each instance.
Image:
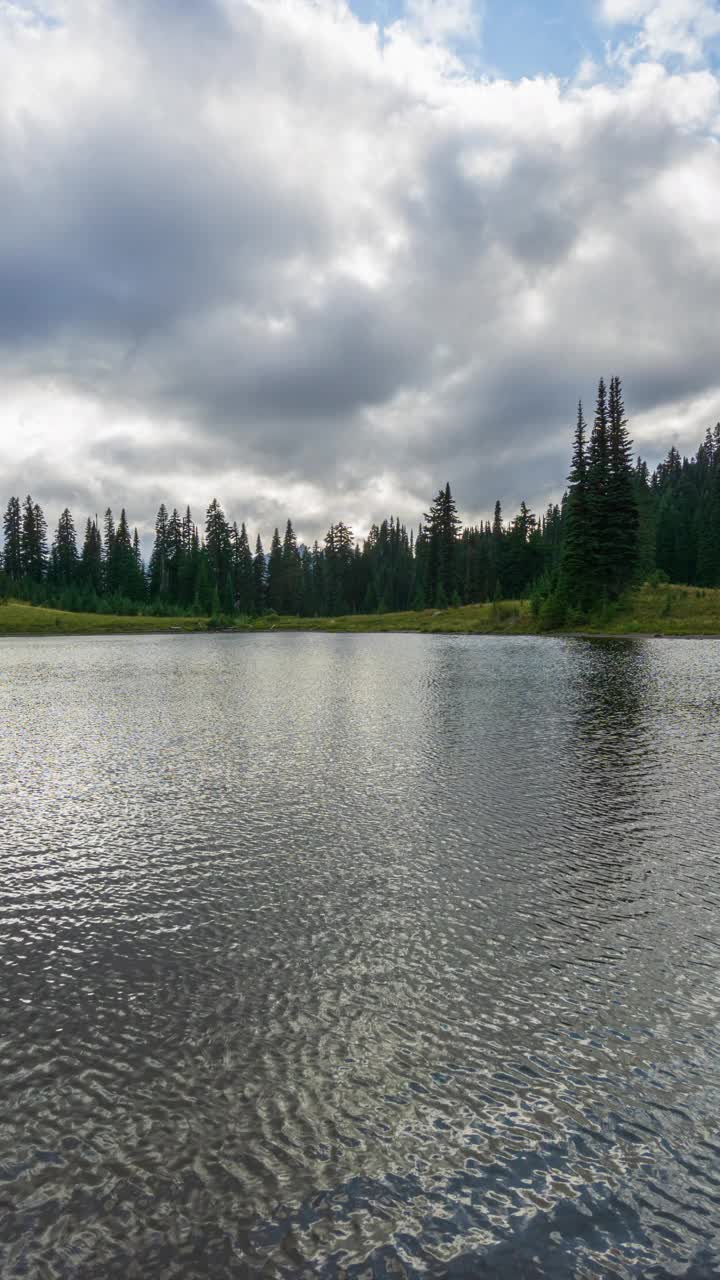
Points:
(577, 551)
(64, 561)
(158, 569)
(523, 554)
(205, 599)
(318, 604)
(188, 532)
(495, 583)
(217, 545)
(12, 559)
(243, 572)
(646, 521)
(137, 557)
(188, 564)
(123, 567)
(259, 578)
(338, 563)
(708, 525)
(601, 563)
(623, 522)
(33, 542)
(291, 573)
(441, 529)
(109, 563)
(91, 560)
(174, 553)
(275, 576)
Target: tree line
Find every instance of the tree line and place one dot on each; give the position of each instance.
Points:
(617, 525)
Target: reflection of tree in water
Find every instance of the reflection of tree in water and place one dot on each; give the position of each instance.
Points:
(609, 762)
(610, 683)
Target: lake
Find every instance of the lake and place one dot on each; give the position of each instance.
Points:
(359, 956)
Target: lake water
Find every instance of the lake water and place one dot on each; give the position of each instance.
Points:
(359, 956)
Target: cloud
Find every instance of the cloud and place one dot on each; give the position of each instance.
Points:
(668, 28)
(442, 20)
(251, 249)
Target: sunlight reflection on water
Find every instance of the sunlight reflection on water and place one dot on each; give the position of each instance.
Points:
(359, 956)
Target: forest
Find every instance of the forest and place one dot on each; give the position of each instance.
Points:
(618, 525)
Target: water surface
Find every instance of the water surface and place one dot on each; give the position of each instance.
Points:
(359, 956)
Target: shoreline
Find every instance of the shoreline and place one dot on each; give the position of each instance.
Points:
(138, 633)
(671, 613)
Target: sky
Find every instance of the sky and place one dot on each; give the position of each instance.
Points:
(316, 258)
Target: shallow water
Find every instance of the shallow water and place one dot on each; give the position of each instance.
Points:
(359, 956)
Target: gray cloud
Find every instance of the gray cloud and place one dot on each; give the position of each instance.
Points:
(274, 261)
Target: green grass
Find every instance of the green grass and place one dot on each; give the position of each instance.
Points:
(662, 610)
(18, 618)
(669, 611)
(508, 617)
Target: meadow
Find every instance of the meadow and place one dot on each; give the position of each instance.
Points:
(650, 610)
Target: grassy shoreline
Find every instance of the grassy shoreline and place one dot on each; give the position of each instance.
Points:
(661, 611)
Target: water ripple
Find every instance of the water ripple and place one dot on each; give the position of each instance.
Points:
(359, 956)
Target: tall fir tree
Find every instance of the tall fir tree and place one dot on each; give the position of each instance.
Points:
(259, 578)
(577, 553)
(291, 573)
(109, 562)
(33, 543)
(158, 568)
(64, 560)
(441, 530)
(600, 566)
(91, 559)
(12, 559)
(243, 571)
(622, 521)
(275, 584)
(217, 545)
(647, 518)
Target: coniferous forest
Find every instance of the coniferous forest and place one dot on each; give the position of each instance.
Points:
(617, 525)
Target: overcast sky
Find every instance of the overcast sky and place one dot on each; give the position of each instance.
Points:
(316, 258)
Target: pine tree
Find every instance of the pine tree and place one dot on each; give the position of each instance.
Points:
(188, 532)
(577, 553)
(275, 577)
(64, 561)
(622, 521)
(137, 557)
(12, 561)
(187, 569)
(158, 569)
(441, 529)
(318, 606)
(338, 562)
(123, 568)
(259, 578)
(91, 560)
(33, 543)
(647, 517)
(243, 571)
(708, 527)
(217, 545)
(205, 599)
(496, 568)
(174, 555)
(291, 573)
(109, 579)
(601, 565)
(523, 556)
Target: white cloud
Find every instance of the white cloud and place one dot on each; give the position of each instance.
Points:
(253, 250)
(668, 28)
(442, 20)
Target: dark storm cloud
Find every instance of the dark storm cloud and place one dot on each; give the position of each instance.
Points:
(241, 230)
